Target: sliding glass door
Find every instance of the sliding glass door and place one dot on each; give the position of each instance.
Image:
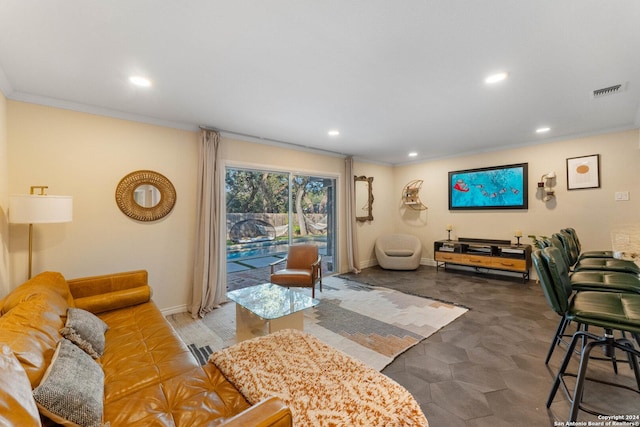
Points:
(314, 214)
(269, 210)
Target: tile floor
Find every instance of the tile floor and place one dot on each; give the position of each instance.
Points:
(486, 368)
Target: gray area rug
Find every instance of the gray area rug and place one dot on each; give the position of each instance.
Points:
(372, 324)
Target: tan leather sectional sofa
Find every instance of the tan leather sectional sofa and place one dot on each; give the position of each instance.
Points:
(150, 377)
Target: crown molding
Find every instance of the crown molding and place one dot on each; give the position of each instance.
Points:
(100, 111)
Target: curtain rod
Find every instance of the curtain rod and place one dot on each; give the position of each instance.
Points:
(209, 128)
(274, 141)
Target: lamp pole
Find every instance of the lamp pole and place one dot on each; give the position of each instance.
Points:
(42, 193)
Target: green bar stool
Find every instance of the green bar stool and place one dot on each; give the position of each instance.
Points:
(608, 310)
(588, 254)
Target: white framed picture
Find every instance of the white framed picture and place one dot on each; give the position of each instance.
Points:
(583, 172)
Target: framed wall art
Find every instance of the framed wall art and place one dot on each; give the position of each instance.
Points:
(583, 172)
(497, 187)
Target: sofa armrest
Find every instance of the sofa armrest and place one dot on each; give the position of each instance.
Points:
(270, 412)
(98, 294)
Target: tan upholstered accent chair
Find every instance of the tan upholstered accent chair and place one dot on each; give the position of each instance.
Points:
(302, 269)
(398, 251)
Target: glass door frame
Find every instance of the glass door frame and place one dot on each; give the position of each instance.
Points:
(291, 173)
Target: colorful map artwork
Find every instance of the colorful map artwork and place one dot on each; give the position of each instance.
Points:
(500, 187)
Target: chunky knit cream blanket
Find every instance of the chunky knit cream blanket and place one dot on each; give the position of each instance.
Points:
(321, 385)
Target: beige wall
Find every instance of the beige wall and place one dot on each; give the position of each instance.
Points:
(4, 199)
(592, 212)
(85, 156)
(385, 204)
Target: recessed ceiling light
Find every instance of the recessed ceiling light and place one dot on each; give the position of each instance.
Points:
(543, 130)
(334, 132)
(140, 81)
(495, 78)
(413, 154)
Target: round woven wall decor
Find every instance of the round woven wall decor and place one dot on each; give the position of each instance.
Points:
(127, 203)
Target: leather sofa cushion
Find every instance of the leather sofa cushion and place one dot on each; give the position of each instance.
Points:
(141, 349)
(151, 376)
(189, 400)
(292, 277)
(31, 329)
(47, 283)
(32, 315)
(17, 406)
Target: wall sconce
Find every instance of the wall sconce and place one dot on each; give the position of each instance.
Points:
(39, 209)
(546, 184)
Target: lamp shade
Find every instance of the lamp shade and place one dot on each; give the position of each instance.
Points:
(34, 209)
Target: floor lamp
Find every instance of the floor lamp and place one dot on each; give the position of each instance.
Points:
(39, 208)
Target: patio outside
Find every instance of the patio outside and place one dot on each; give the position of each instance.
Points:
(249, 270)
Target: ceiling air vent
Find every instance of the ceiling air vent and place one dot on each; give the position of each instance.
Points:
(611, 90)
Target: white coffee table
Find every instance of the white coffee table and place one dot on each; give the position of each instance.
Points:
(266, 308)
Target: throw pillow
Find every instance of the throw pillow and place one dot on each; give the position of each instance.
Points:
(86, 331)
(72, 389)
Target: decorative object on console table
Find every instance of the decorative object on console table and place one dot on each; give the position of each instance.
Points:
(449, 228)
(39, 209)
(484, 253)
(583, 172)
(518, 235)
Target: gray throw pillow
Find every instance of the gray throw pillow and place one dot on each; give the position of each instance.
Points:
(72, 388)
(85, 330)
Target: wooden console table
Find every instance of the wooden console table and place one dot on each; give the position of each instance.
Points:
(483, 253)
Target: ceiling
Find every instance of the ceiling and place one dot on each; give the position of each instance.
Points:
(392, 76)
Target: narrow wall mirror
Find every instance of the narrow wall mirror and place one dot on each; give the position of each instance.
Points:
(145, 195)
(364, 198)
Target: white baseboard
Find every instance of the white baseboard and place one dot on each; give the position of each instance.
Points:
(368, 263)
(428, 261)
(174, 310)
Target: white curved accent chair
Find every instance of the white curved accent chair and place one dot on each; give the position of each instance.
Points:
(398, 251)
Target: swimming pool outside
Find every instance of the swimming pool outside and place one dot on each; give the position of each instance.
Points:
(248, 263)
(241, 251)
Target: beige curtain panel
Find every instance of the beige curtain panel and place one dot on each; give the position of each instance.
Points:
(352, 235)
(210, 268)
